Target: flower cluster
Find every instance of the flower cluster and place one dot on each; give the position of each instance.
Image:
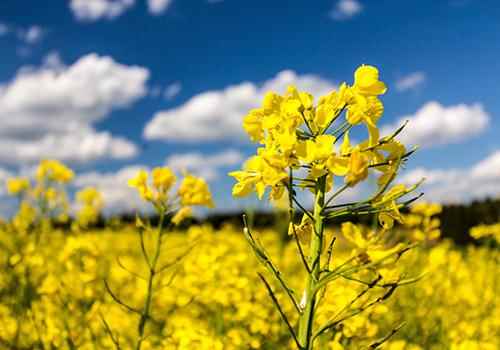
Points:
(44, 199)
(486, 231)
(422, 221)
(192, 191)
(91, 203)
(295, 133)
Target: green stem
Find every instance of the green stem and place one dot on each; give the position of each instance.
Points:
(306, 319)
(152, 273)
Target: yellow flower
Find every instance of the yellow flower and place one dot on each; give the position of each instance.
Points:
(366, 81)
(287, 141)
(194, 191)
(252, 124)
(89, 195)
(181, 215)
(367, 110)
(258, 172)
(427, 209)
(53, 170)
(139, 182)
(330, 106)
(163, 179)
(318, 150)
(357, 168)
(17, 185)
(369, 244)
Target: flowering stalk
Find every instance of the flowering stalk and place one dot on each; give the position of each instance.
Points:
(192, 191)
(296, 138)
(152, 272)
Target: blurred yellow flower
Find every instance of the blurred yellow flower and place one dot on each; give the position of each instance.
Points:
(194, 191)
(17, 185)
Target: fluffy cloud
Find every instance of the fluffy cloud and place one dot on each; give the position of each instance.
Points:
(93, 10)
(435, 124)
(456, 185)
(410, 81)
(214, 115)
(207, 166)
(50, 111)
(346, 9)
(157, 7)
(83, 145)
(118, 197)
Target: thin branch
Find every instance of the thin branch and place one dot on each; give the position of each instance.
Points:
(332, 324)
(339, 191)
(337, 113)
(303, 209)
(383, 140)
(110, 332)
(135, 274)
(282, 314)
(332, 275)
(301, 251)
(330, 252)
(264, 259)
(118, 301)
(379, 342)
(390, 161)
(176, 260)
(143, 247)
(170, 280)
(291, 214)
(307, 124)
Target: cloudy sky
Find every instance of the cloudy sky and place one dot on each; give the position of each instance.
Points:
(111, 86)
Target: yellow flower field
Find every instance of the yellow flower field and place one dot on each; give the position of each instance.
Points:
(54, 296)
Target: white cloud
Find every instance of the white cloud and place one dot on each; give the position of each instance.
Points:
(206, 166)
(488, 168)
(157, 7)
(172, 90)
(435, 124)
(456, 185)
(117, 195)
(346, 9)
(411, 81)
(50, 111)
(217, 114)
(31, 35)
(93, 10)
(82, 145)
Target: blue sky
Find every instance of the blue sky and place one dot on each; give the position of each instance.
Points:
(145, 60)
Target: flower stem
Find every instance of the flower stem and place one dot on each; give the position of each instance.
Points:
(151, 275)
(306, 319)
